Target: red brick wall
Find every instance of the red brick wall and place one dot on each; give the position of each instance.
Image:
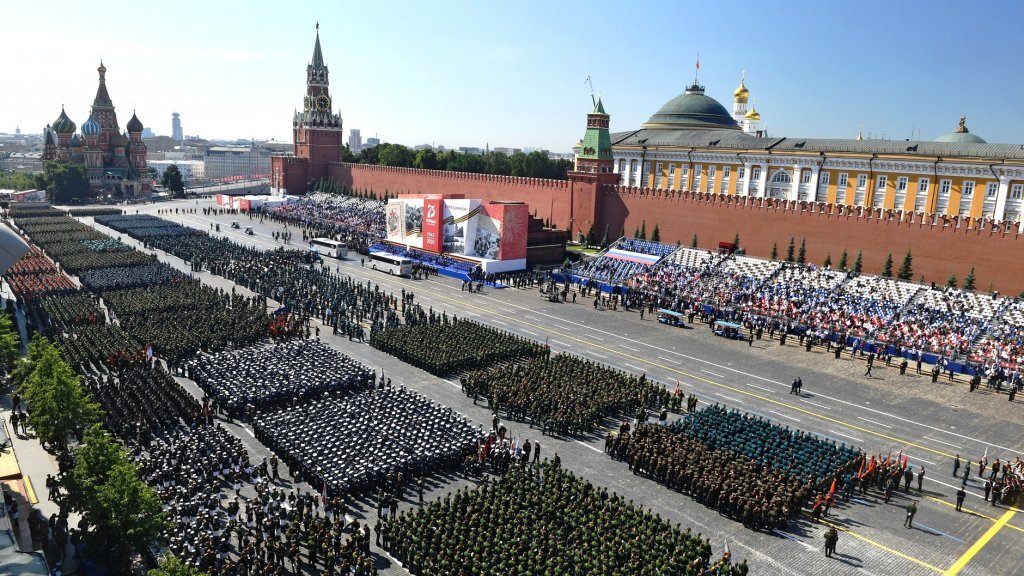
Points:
(939, 248)
(293, 172)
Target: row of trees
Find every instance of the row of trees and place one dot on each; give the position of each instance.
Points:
(11, 180)
(65, 182)
(121, 513)
(533, 165)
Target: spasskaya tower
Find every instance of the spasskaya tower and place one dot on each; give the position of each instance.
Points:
(316, 132)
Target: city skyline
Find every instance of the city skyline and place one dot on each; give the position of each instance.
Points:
(452, 78)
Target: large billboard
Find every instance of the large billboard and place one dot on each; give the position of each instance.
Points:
(433, 214)
(459, 227)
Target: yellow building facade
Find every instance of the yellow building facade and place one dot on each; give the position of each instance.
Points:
(692, 143)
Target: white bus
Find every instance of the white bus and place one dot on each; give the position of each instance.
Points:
(390, 263)
(329, 247)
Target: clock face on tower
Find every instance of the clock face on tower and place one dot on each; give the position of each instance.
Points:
(323, 102)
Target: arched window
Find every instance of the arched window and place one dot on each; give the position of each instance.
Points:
(781, 177)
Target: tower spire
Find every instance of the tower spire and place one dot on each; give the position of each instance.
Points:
(318, 57)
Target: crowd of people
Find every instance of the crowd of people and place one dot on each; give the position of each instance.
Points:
(897, 317)
(264, 377)
(350, 443)
(562, 394)
(735, 485)
(541, 519)
(444, 346)
(357, 221)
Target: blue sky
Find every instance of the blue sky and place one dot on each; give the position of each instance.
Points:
(512, 73)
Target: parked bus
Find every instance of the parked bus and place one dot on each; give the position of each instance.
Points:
(329, 247)
(390, 263)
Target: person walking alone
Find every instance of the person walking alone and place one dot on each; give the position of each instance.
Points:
(911, 511)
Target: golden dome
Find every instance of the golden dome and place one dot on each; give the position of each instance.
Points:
(741, 94)
(753, 115)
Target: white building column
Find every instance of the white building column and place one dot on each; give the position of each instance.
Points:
(762, 182)
(1001, 197)
(745, 184)
(815, 174)
(794, 185)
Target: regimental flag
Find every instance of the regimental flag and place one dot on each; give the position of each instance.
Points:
(149, 351)
(860, 471)
(906, 459)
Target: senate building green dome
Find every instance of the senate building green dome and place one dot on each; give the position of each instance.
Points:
(692, 109)
(961, 135)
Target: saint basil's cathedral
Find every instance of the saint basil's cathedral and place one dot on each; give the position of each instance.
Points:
(115, 160)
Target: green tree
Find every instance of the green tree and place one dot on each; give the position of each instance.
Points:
(24, 367)
(66, 182)
(801, 255)
(591, 237)
(887, 267)
(347, 155)
(426, 159)
(790, 251)
(969, 280)
(828, 260)
(10, 343)
(693, 241)
(171, 566)
(736, 239)
(370, 154)
(775, 250)
(123, 513)
(858, 264)
(395, 155)
(656, 234)
(842, 260)
(906, 269)
(19, 181)
(951, 281)
(173, 181)
(643, 230)
(604, 239)
(636, 233)
(58, 405)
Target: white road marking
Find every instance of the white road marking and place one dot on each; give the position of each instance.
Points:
(838, 433)
(525, 331)
(958, 447)
(596, 354)
(581, 443)
(731, 398)
(636, 367)
(498, 322)
(453, 383)
(560, 343)
(784, 415)
(630, 348)
(804, 544)
(715, 374)
(919, 459)
(874, 422)
(598, 338)
(666, 359)
(816, 404)
(762, 378)
(761, 388)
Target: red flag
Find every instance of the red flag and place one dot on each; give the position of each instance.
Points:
(860, 471)
(888, 457)
(832, 490)
(899, 456)
(905, 459)
(871, 465)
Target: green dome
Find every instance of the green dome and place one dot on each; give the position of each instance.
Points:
(63, 124)
(961, 135)
(693, 109)
(961, 138)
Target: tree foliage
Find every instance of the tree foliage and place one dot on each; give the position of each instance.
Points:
(123, 513)
(173, 181)
(828, 260)
(656, 234)
(171, 566)
(887, 267)
(842, 260)
(907, 268)
(801, 255)
(10, 343)
(969, 280)
(58, 406)
(66, 182)
(536, 164)
(11, 180)
(693, 241)
(791, 249)
(858, 264)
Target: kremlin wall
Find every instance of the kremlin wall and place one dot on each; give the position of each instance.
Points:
(695, 168)
(714, 218)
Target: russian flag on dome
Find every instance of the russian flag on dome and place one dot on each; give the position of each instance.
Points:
(633, 256)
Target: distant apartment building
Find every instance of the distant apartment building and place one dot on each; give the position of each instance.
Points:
(190, 169)
(233, 161)
(371, 142)
(355, 140)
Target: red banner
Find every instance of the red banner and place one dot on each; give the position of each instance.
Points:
(433, 215)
